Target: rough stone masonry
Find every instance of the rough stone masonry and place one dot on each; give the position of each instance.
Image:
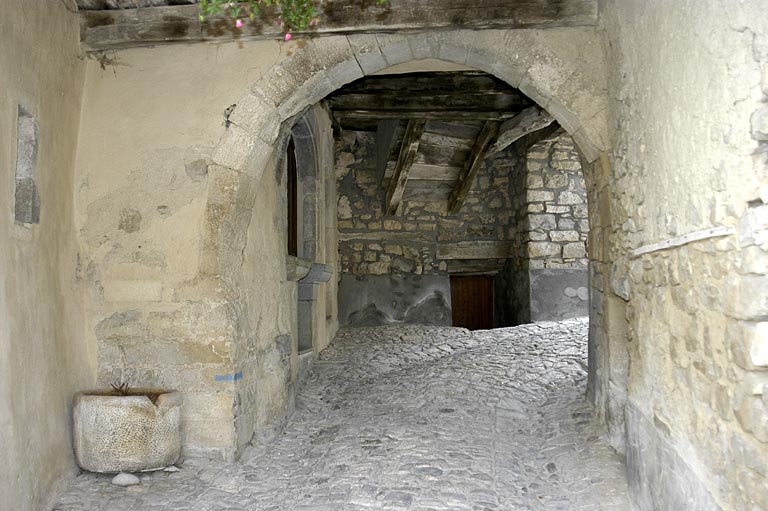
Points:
(533, 203)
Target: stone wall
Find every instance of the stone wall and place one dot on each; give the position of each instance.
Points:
(688, 200)
(181, 260)
(556, 230)
(44, 358)
(408, 242)
(532, 203)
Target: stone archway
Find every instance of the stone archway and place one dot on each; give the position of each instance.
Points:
(563, 71)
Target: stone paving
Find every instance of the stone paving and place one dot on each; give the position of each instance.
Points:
(421, 418)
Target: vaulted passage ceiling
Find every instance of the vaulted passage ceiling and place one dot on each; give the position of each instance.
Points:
(433, 130)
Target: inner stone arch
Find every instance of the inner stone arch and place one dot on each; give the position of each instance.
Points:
(565, 76)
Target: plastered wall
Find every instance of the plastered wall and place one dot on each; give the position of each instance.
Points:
(688, 83)
(151, 201)
(44, 356)
(158, 315)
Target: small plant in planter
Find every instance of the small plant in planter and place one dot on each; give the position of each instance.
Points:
(126, 429)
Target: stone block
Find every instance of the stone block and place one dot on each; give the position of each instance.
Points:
(379, 268)
(403, 265)
(557, 180)
(345, 72)
(207, 406)
(534, 181)
(759, 122)
(392, 225)
(574, 251)
(543, 249)
(367, 52)
(560, 236)
(751, 345)
(753, 228)
(747, 297)
(551, 208)
(255, 114)
(540, 196)
(424, 45)
(569, 198)
(395, 48)
(543, 222)
(237, 147)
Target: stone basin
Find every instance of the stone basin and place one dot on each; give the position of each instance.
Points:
(126, 433)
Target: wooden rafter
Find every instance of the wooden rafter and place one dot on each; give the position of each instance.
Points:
(476, 156)
(526, 122)
(408, 151)
(386, 138)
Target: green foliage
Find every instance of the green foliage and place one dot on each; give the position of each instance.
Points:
(296, 15)
(121, 388)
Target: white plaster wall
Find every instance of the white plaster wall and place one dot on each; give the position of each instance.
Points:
(44, 357)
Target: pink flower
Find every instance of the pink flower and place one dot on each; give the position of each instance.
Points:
(288, 36)
(314, 22)
(239, 23)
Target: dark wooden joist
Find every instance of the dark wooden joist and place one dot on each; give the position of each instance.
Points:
(484, 140)
(109, 28)
(408, 151)
(434, 82)
(446, 115)
(437, 96)
(526, 122)
(508, 100)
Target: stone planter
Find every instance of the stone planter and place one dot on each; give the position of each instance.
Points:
(127, 433)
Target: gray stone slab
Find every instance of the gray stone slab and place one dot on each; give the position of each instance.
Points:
(559, 294)
(383, 299)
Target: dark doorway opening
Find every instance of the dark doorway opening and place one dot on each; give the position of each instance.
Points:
(472, 302)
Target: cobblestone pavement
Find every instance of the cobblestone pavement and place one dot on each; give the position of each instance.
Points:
(420, 418)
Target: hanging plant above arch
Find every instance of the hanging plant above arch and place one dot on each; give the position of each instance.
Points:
(293, 15)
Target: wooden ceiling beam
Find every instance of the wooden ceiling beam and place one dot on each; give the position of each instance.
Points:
(484, 140)
(405, 160)
(105, 25)
(446, 115)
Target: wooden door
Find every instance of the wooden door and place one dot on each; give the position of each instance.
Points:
(472, 302)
